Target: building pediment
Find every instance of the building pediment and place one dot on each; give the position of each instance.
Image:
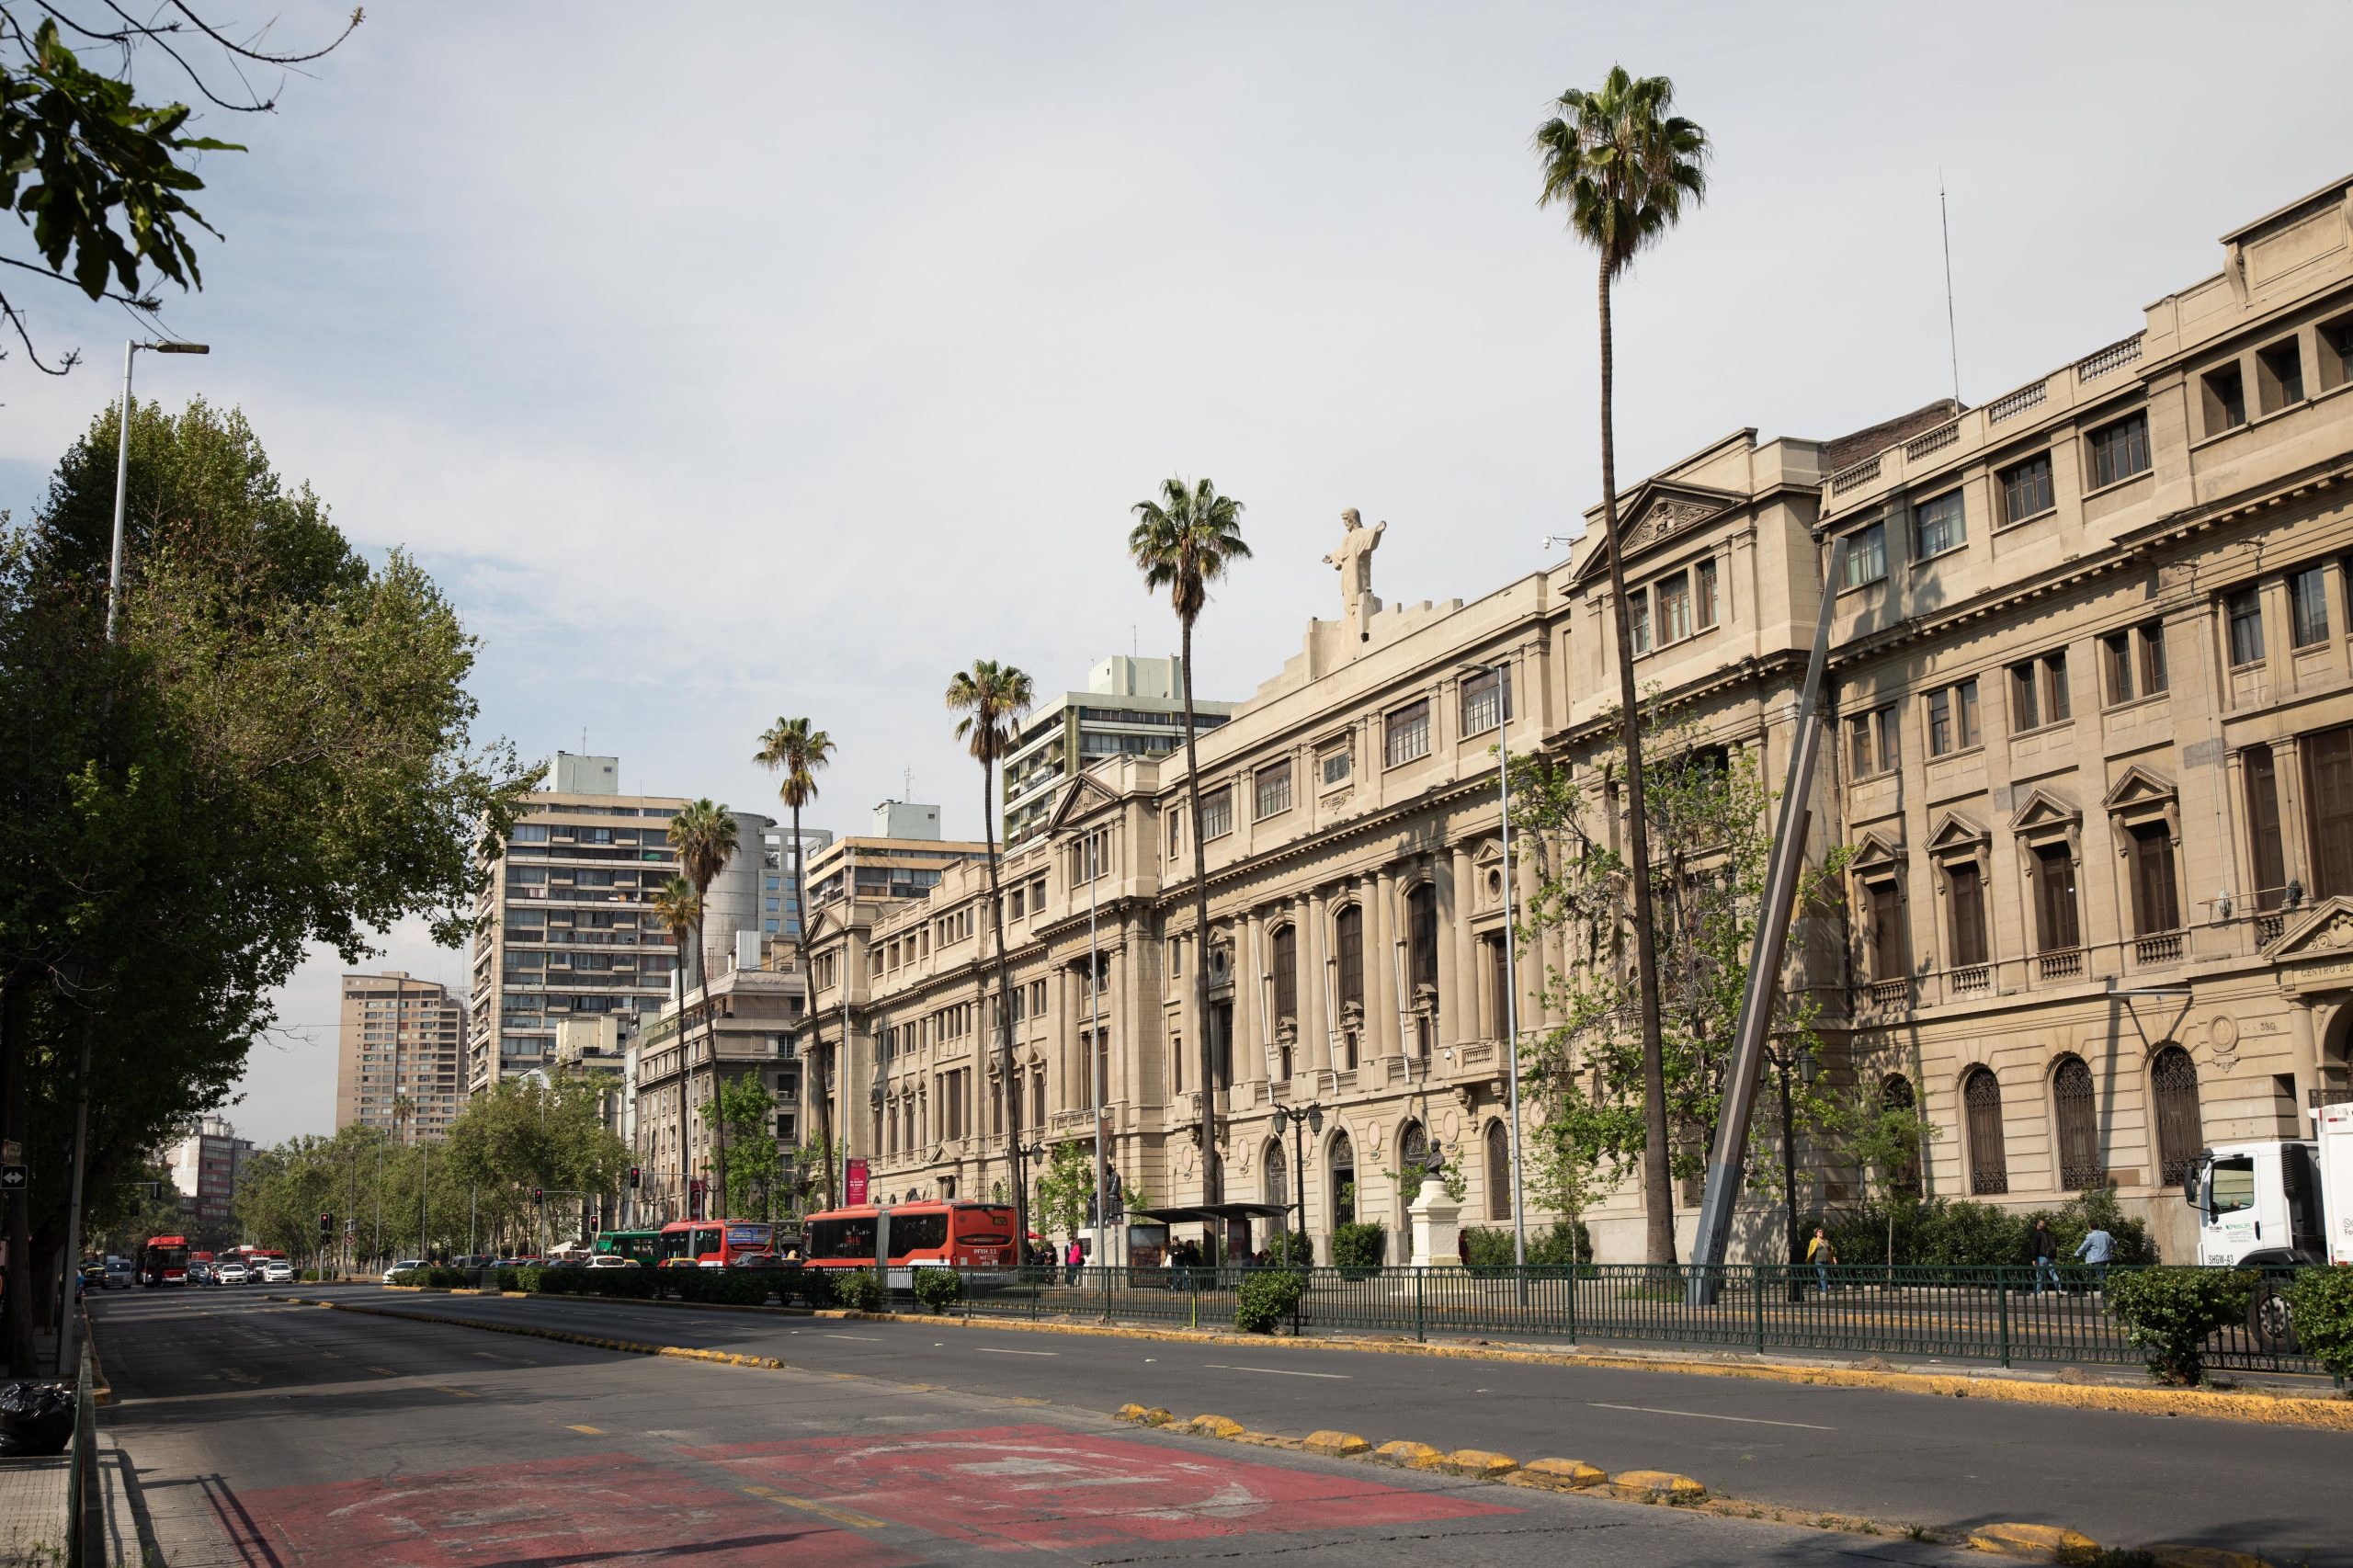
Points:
(1081, 796)
(1875, 853)
(2324, 929)
(1956, 835)
(2042, 812)
(1657, 511)
(2140, 788)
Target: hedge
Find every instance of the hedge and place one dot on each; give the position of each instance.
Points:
(1960, 1234)
(1267, 1296)
(1359, 1245)
(938, 1288)
(1562, 1245)
(2169, 1313)
(2320, 1304)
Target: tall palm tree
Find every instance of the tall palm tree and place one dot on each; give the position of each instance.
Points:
(705, 837)
(994, 699)
(1184, 541)
(679, 909)
(792, 747)
(1625, 165)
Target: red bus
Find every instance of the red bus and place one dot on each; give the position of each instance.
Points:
(916, 1235)
(712, 1244)
(163, 1260)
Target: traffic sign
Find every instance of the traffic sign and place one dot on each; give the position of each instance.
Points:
(13, 1179)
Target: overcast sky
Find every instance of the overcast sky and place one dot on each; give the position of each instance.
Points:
(726, 363)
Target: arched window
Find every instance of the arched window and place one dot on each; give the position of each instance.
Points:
(1896, 1096)
(2181, 1129)
(1277, 1177)
(1343, 1180)
(1498, 1172)
(1981, 1097)
(2071, 1098)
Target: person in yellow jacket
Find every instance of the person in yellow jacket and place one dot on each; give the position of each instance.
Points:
(1821, 1254)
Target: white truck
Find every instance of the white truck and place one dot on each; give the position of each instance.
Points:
(2277, 1202)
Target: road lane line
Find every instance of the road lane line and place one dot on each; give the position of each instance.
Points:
(592, 1431)
(386, 1370)
(1277, 1371)
(871, 1338)
(1703, 1416)
(827, 1510)
(992, 1350)
(455, 1392)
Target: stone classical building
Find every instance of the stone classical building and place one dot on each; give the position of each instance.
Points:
(2092, 679)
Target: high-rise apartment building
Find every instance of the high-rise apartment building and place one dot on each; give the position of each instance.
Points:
(401, 1062)
(568, 929)
(1130, 708)
(204, 1168)
(901, 858)
(779, 915)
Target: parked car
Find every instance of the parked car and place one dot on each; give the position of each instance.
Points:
(200, 1274)
(120, 1274)
(277, 1271)
(403, 1263)
(611, 1260)
(230, 1273)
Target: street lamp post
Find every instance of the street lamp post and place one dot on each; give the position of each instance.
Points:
(1309, 1115)
(66, 1352)
(1808, 1068)
(1511, 948)
(1096, 1057)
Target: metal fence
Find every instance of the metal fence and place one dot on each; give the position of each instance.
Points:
(2005, 1315)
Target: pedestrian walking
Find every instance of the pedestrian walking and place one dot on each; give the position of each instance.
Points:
(2095, 1249)
(1821, 1254)
(1073, 1261)
(2046, 1257)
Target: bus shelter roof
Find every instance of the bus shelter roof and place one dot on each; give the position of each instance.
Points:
(1206, 1213)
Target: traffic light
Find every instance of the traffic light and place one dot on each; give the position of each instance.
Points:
(327, 1224)
(632, 1178)
(539, 1196)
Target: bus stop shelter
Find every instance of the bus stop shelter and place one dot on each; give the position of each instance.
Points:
(1224, 1220)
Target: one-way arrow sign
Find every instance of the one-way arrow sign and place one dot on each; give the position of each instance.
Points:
(12, 1178)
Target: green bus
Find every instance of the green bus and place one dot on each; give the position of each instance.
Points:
(643, 1247)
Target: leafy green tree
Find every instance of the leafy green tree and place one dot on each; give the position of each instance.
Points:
(103, 180)
(1882, 1137)
(142, 1203)
(1065, 1188)
(796, 750)
(994, 699)
(1625, 165)
(526, 1133)
(276, 750)
(1184, 541)
(757, 1167)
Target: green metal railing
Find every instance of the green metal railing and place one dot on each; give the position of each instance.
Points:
(2005, 1315)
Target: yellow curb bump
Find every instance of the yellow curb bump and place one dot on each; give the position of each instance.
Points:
(1410, 1456)
(1480, 1464)
(1131, 1413)
(2203, 1557)
(1214, 1427)
(1339, 1445)
(2051, 1541)
(1657, 1485)
(1560, 1476)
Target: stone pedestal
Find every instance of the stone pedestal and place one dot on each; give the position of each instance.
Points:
(1438, 1227)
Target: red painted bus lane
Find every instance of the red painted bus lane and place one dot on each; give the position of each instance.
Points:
(1039, 1487)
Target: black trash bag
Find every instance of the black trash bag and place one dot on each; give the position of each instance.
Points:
(36, 1418)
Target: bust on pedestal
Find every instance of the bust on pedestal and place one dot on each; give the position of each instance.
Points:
(1438, 1226)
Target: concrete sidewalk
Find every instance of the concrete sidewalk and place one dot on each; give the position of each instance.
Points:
(36, 1505)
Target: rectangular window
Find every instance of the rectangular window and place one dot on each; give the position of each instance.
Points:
(1334, 767)
(2280, 374)
(1887, 932)
(1486, 699)
(1936, 525)
(530, 833)
(2152, 639)
(1703, 595)
(2120, 451)
(2157, 906)
(2329, 796)
(2116, 667)
(2336, 345)
(2266, 847)
(2244, 606)
(2025, 710)
(2225, 399)
(2307, 606)
(1871, 742)
(1273, 790)
(1217, 814)
(1866, 555)
(1638, 620)
(2055, 900)
(1407, 733)
(2026, 489)
(1966, 889)
(1674, 608)
(2057, 704)
(1940, 723)
(2132, 663)
(1952, 719)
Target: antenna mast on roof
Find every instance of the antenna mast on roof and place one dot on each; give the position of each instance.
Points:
(1952, 333)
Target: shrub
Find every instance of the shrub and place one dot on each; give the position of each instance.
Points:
(1292, 1248)
(812, 1287)
(858, 1289)
(2072, 1222)
(2169, 1313)
(938, 1288)
(1359, 1245)
(2320, 1304)
(1563, 1246)
(1266, 1297)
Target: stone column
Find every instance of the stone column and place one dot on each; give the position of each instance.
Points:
(1460, 894)
(2306, 1042)
(1314, 977)
(1383, 1029)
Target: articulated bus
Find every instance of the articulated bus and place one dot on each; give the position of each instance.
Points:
(163, 1260)
(712, 1244)
(641, 1248)
(912, 1236)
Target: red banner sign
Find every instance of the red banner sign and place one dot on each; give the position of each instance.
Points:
(854, 1183)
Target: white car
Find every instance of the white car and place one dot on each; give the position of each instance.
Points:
(231, 1273)
(277, 1271)
(611, 1260)
(405, 1262)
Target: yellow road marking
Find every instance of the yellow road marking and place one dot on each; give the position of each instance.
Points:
(592, 1431)
(827, 1510)
(457, 1392)
(386, 1370)
(235, 1376)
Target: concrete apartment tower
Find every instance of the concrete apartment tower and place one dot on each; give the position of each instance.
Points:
(1130, 708)
(568, 929)
(400, 1056)
(205, 1167)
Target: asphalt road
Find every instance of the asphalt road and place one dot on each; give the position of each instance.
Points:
(1907, 1459)
(268, 1433)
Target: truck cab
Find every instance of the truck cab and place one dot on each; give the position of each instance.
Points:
(2276, 1201)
